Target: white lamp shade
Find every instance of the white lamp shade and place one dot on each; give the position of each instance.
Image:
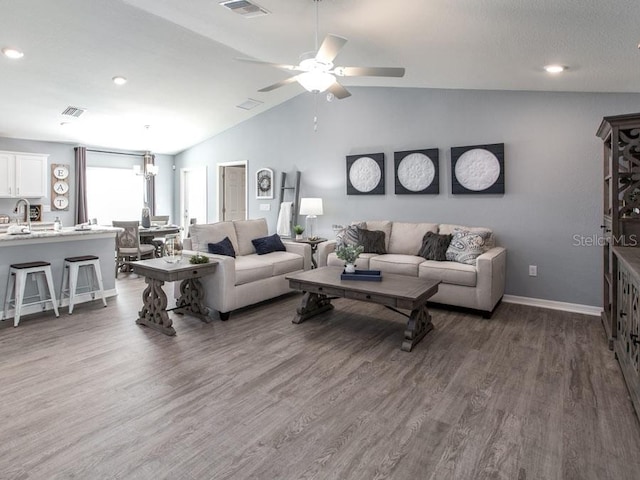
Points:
(311, 206)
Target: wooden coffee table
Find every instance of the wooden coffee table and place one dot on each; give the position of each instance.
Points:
(154, 300)
(394, 291)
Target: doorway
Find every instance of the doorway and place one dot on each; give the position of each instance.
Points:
(232, 191)
(193, 196)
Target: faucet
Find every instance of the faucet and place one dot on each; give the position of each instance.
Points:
(27, 211)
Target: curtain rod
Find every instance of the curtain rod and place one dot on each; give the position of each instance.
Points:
(116, 153)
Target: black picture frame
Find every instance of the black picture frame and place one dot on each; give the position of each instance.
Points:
(497, 187)
(379, 188)
(434, 187)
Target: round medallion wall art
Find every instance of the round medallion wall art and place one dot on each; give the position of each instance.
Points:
(417, 172)
(477, 169)
(365, 174)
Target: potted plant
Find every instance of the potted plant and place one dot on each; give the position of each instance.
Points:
(298, 229)
(349, 253)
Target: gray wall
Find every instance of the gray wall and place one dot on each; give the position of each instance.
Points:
(64, 153)
(552, 161)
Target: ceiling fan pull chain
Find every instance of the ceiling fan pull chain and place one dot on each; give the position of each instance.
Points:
(315, 114)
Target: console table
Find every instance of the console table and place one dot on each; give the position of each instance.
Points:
(154, 301)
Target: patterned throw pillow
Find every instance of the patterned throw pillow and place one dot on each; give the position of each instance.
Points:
(466, 246)
(434, 246)
(372, 241)
(349, 235)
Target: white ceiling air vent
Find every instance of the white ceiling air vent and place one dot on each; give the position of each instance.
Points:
(249, 104)
(245, 8)
(73, 111)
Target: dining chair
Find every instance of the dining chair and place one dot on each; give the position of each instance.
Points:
(192, 221)
(158, 242)
(128, 246)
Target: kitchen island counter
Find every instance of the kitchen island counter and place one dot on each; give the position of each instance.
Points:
(53, 247)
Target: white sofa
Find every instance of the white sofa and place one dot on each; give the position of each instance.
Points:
(479, 286)
(249, 278)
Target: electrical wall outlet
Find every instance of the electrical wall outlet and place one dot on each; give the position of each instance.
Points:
(533, 270)
(265, 207)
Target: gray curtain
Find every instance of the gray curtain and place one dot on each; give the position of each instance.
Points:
(81, 213)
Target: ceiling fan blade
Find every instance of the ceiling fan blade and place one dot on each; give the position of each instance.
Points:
(330, 48)
(268, 64)
(279, 84)
(339, 91)
(369, 71)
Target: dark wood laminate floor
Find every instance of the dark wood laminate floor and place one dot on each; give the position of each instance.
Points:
(529, 394)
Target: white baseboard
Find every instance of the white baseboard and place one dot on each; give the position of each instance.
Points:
(82, 298)
(553, 305)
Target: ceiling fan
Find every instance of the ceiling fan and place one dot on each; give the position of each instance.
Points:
(317, 73)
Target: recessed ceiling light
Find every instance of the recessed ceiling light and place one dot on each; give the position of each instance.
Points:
(12, 53)
(119, 80)
(555, 68)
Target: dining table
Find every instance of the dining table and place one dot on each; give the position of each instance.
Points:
(157, 231)
(148, 234)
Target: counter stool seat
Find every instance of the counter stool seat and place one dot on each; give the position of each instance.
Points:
(70, 272)
(18, 273)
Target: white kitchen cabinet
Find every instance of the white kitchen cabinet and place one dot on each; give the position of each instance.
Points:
(23, 175)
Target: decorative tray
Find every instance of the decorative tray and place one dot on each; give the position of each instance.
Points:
(364, 275)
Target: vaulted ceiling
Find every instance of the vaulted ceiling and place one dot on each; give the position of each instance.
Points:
(184, 82)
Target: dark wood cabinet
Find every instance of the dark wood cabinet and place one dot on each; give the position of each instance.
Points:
(621, 204)
(626, 344)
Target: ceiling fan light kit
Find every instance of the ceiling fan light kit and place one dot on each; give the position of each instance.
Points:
(316, 82)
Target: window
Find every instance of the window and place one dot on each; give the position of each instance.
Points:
(114, 194)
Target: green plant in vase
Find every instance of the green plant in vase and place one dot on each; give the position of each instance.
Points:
(349, 254)
(298, 229)
(198, 258)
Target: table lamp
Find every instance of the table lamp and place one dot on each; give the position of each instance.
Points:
(311, 207)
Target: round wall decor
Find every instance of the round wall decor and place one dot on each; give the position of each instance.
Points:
(60, 187)
(478, 169)
(365, 174)
(417, 171)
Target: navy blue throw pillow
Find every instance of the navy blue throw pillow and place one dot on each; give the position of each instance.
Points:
(268, 244)
(223, 247)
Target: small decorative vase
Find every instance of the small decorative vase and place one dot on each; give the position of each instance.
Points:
(172, 250)
(146, 217)
(350, 268)
(299, 236)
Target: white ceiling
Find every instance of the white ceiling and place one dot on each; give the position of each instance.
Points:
(184, 81)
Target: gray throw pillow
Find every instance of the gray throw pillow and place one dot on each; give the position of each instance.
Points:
(466, 246)
(434, 246)
(372, 241)
(349, 235)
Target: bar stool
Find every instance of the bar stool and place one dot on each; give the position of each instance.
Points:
(18, 273)
(72, 267)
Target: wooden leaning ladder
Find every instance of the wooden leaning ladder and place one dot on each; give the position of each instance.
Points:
(295, 197)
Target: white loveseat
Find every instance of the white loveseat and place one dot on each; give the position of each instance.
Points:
(249, 278)
(479, 286)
